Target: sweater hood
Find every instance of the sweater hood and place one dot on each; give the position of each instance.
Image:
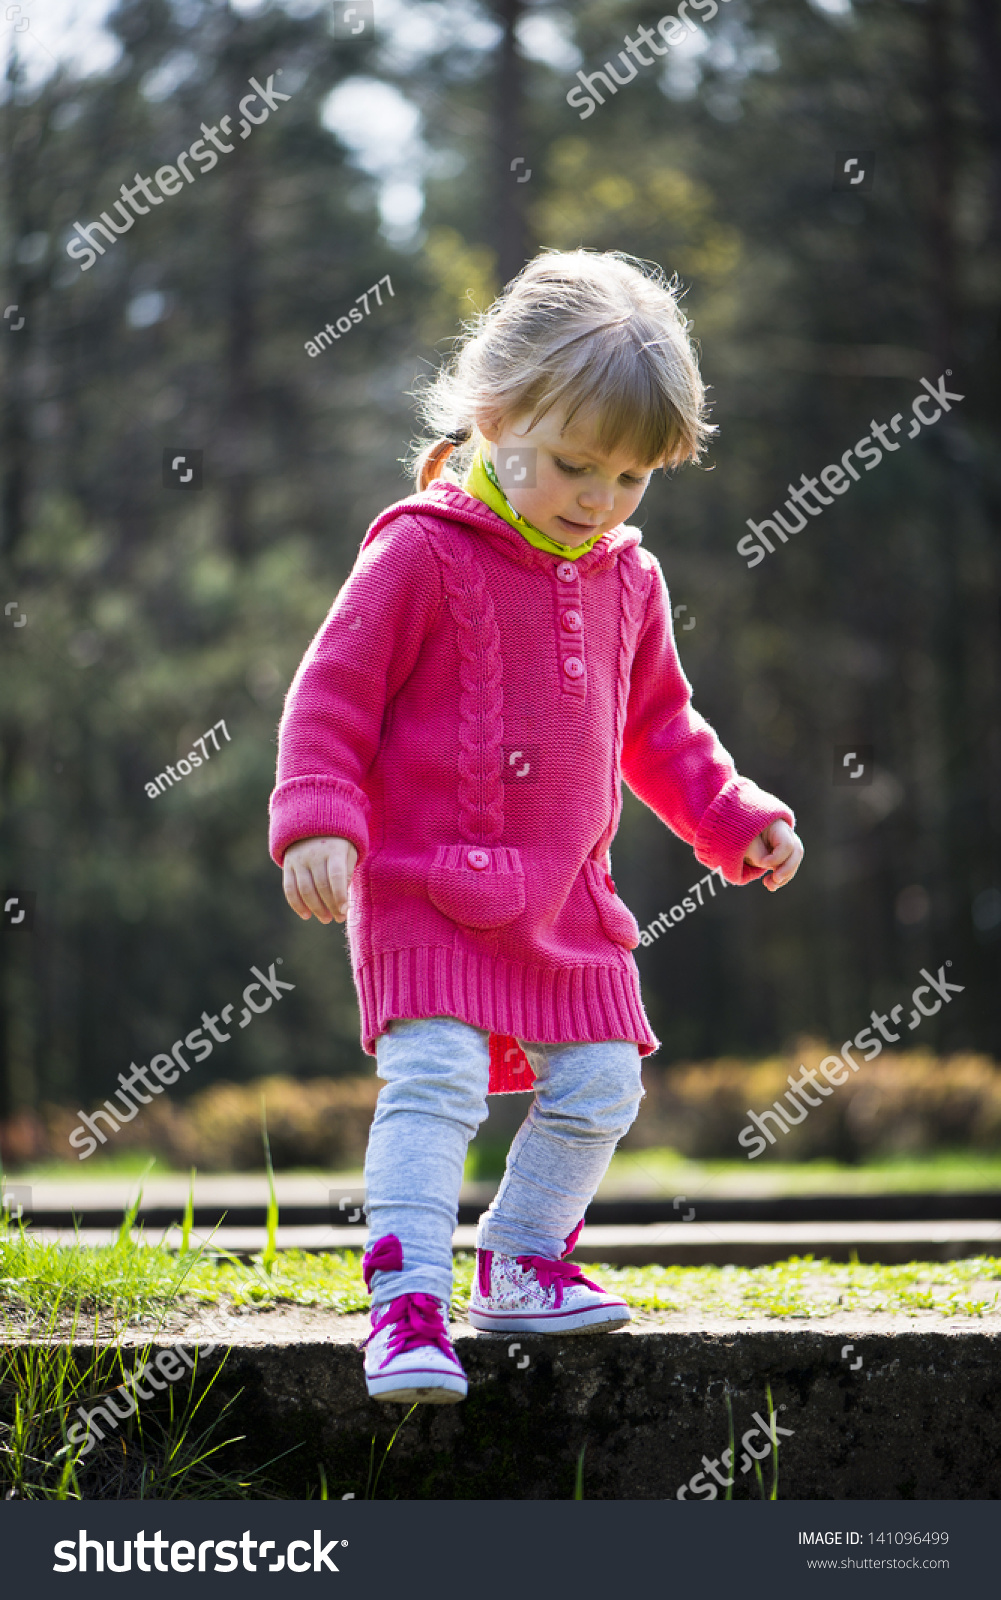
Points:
(447, 502)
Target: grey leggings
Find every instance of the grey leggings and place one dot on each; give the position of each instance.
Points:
(436, 1071)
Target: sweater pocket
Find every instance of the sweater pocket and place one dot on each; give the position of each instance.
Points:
(613, 914)
(476, 886)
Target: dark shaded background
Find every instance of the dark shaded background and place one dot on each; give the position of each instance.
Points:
(153, 613)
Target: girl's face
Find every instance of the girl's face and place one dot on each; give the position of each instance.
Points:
(570, 491)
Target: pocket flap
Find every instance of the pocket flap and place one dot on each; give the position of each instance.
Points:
(614, 915)
(477, 886)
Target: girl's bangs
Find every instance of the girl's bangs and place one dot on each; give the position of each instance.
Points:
(621, 395)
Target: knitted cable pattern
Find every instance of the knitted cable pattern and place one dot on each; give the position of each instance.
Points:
(632, 609)
(481, 700)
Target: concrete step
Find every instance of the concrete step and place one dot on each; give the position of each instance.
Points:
(660, 1244)
(240, 1200)
(865, 1414)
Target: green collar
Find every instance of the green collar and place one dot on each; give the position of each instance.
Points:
(482, 483)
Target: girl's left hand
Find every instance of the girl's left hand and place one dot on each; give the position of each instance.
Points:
(779, 849)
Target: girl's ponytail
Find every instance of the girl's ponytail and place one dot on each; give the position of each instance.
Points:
(430, 462)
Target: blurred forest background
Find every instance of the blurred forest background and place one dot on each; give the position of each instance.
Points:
(439, 148)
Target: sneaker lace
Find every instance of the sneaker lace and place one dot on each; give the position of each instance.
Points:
(555, 1274)
(418, 1322)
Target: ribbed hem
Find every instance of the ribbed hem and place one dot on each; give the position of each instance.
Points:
(541, 1004)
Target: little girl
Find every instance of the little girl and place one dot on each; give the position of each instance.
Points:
(452, 750)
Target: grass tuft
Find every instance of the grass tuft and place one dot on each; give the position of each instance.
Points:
(270, 1255)
(188, 1220)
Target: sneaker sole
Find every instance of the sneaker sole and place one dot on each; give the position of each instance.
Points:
(599, 1319)
(397, 1393)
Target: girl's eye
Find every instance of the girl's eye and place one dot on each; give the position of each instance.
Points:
(628, 478)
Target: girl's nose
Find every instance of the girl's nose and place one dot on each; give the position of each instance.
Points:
(600, 498)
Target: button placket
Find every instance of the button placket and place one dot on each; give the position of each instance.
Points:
(570, 630)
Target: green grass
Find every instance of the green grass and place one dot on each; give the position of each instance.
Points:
(129, 1279)
(157, 1453)
(163, 1452)
(130, 1164)
(653, 1172)
(804, 1287)
(135, 1282)
(659, 1171)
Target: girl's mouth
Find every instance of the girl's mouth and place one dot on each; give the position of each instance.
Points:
(578, 527)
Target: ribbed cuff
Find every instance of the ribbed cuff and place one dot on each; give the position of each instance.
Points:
(304, 808)
(737, 815)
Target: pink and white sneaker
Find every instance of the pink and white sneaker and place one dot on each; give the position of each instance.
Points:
(530, 1294)
(409, 1355)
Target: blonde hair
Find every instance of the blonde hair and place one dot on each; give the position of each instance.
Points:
(601, 333)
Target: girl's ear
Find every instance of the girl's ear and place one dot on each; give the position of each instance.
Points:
(489, 426)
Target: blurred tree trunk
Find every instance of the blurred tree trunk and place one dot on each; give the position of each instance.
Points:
(942, 167)
(237, 436)
(508, 207)
(238, 451)
(987, 35)
(14, 445)
(17, 135)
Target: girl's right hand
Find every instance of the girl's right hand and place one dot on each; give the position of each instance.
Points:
(316, 875)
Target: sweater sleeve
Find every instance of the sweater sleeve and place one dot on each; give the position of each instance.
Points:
(335, 708)
(673, 761)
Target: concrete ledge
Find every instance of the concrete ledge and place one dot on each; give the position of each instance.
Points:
(920, 1418)
(662, 1244)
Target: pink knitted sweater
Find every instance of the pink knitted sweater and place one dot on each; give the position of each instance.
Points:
(465, 716)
